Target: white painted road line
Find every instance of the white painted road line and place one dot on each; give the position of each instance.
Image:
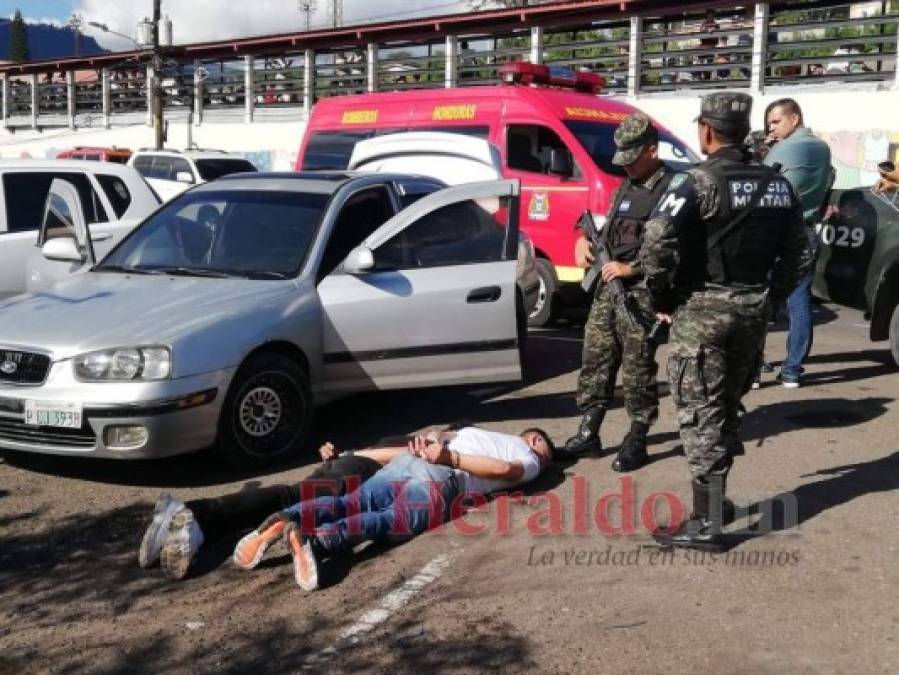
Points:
(390, 604)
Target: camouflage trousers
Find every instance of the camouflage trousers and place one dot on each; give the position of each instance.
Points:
(612, 341)
(716, 340)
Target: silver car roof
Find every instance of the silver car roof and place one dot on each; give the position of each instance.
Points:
(320, 182)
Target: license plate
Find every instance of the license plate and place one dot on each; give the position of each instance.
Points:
(53, 414)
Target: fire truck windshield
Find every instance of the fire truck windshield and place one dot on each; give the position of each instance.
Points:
(597, 139)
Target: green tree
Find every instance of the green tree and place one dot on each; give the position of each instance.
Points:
(18, 39)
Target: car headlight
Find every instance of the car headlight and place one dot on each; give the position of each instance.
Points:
(125, 363)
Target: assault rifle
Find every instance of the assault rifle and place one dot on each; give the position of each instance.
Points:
(617, 292)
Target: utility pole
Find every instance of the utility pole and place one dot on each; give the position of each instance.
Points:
(337, 13)
(75, 23)
(158, 123)
(308, 7)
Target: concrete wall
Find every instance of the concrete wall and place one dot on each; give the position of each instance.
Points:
(861, 126)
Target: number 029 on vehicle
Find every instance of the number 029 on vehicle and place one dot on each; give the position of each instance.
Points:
(53, 414)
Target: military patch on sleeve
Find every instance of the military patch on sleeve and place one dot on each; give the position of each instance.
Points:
(676, 196)
(677, 180)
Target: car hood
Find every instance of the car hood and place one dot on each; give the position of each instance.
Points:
(99, 310)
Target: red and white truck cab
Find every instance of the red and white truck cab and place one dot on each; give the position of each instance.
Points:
(554, 133)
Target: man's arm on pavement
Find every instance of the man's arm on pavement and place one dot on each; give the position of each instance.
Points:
(487, 467)
(381, 455)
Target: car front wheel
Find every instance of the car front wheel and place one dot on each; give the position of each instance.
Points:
(267, 413)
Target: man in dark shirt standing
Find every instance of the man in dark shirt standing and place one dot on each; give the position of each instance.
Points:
(614, 337)
(723, 231)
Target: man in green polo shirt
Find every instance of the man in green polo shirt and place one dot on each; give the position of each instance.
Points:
(805, 163)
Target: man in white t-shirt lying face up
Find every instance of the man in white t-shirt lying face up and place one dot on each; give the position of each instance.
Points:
(414, 492)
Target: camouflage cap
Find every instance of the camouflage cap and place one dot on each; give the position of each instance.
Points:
(631, 137)
(726, 108)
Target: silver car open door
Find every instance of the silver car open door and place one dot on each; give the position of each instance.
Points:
(64, 243)
(438, 280)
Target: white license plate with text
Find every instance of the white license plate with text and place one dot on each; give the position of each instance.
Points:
(53, 414)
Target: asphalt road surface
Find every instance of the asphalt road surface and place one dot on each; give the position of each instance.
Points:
(809, 586)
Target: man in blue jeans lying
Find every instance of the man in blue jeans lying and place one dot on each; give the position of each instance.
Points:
(415, 492)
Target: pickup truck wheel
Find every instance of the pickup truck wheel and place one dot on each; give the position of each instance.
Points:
(267, 413)
(894, 334)
(545, 308)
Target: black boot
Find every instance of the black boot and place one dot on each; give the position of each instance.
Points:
(587, 436)
(632, 454)
(703, 529)
(728, 508)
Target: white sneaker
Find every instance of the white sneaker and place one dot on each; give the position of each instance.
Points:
(305, 566)
(181, 547)
(158, 530)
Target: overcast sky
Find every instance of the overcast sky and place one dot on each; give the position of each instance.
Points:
(201, 20)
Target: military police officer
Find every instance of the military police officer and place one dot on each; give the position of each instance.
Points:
(723, 234)
(616, 335)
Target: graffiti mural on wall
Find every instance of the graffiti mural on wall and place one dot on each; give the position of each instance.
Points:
(856, 154)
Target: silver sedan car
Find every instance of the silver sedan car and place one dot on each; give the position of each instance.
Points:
(231, 311)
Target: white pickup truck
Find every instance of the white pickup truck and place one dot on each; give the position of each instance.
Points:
(171, 172)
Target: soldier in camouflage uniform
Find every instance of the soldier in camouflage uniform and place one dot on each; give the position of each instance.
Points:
(611, 337)
(725, 232)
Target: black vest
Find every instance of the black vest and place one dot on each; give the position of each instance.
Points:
(745, 254)
(629, 213)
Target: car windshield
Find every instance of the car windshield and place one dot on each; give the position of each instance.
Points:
(210, 169)
(598, 140)
(258, 234)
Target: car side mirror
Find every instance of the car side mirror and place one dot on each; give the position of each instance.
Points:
(560, 163)
(63, 249)
(360, 260)
(184, 177)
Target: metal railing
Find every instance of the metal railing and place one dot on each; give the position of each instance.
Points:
(601, 50)
(279, 83)
(480, 56)
(127, 90)
(829, 44)
(340, 72)
(696, 53)
(752, 46)
(411, 66)
(88, 96)
(19, 99)
(223, 85)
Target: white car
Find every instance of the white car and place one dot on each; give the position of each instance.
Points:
(171, 172)
(114, 199)
(453, 159)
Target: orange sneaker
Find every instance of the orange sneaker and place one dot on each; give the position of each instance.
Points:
(252, 547)
(305, 566)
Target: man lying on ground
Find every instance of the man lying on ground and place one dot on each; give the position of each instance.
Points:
(416, 491)
(178, 529)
